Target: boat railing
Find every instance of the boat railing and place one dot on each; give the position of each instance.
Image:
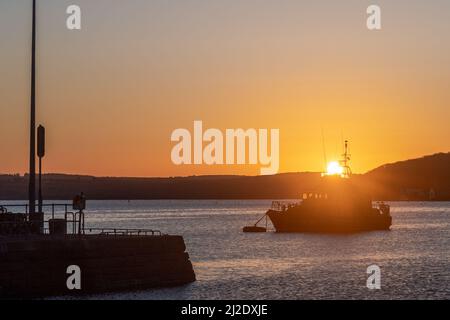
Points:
(283, 205)
(383, 207)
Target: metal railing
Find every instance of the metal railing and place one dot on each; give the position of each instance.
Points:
(54, 210)
(283, 205)
(76, 219)
(53, 206)
(124, 232)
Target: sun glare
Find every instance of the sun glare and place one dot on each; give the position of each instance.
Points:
(334, 169)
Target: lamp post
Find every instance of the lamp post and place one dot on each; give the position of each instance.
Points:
(32, 173)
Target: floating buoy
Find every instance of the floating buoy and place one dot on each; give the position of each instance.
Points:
(254, 229)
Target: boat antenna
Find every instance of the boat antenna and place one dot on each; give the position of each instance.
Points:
(345, 160)
(32, 173)
(324, 150)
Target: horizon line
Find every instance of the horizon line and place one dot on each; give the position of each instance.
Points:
(210, 175)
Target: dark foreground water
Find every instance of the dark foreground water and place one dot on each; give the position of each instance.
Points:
(414, 256)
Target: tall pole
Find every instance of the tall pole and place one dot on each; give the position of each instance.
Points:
(32, 178)
(40, 154)
(40, 186)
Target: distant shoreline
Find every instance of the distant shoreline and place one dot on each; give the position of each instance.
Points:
(422, 179)
(131, 200)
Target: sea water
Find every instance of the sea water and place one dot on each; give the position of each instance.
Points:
(414, 256)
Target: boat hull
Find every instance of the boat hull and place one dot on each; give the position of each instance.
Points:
(294, 221)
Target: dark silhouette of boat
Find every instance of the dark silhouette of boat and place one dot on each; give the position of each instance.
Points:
(343, 212)
(337, 206)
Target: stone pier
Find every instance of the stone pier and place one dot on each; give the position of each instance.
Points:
(36, 266)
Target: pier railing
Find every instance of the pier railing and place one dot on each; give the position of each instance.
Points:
(123, 232)
(23, 208)
(73, 221)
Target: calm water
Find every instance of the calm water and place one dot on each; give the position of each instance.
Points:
(414, 256)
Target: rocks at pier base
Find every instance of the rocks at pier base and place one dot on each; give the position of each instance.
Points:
(37, 266)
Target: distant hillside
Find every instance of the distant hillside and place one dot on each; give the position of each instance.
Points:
(412, 179)
(416, 179)
(58, 187)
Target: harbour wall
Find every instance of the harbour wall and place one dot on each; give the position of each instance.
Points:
(36, 266)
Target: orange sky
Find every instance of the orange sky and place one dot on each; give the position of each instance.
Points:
(111, 94)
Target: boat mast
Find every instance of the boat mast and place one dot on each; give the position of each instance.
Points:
(345, 160)
(32, 173)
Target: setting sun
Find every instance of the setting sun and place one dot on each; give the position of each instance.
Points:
(334, 168)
